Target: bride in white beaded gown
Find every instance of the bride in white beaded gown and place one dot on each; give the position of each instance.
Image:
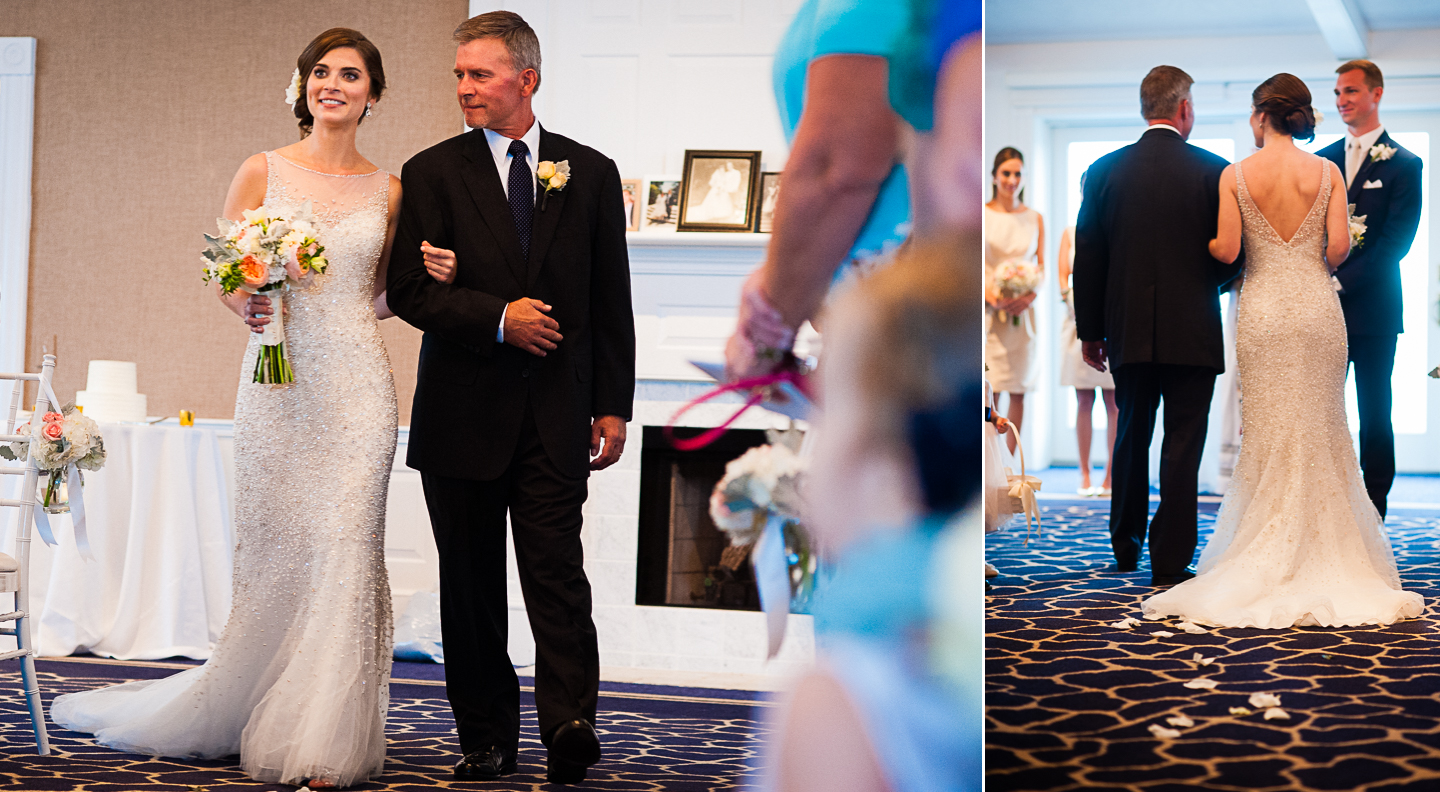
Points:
(298, 684)
(1297, 541)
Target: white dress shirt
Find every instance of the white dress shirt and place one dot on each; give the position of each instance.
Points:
(1356, 149)
(1165, 126)
(500, 150)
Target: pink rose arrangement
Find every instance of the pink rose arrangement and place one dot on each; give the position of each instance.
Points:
(63, 439)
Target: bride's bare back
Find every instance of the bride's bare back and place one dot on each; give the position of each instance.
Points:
(1284, 183)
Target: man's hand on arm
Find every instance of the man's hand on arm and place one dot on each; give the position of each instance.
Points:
(611, 430)
(527, 327)
(1094, 354)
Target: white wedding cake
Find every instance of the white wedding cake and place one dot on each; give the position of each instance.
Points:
(109, 395)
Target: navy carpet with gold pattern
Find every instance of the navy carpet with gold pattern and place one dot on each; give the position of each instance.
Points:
(1074, 701)
(654, 738)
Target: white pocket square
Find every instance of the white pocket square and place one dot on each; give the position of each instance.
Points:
(1372, 185)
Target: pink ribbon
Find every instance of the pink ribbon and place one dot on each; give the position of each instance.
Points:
(711, 435)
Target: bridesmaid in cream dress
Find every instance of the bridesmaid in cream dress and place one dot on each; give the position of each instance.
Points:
(1012, 231)
(1075, 373)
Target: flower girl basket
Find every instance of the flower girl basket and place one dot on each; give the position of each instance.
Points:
(1022, 489)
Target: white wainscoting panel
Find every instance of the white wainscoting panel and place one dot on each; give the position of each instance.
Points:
(17, 133)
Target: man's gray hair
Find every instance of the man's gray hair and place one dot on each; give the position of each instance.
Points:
(519, 38)
(1161, 92)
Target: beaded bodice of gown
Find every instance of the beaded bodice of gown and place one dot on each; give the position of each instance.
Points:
(1297, 540)
(298, 684)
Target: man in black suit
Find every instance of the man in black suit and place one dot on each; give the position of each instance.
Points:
(1147, 299)
(527, 369)
(1382, 181)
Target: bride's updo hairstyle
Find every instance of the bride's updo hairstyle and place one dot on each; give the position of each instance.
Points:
(1285, 102)
(337, 38)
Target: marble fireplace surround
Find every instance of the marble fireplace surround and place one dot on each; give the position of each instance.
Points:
(685, 288)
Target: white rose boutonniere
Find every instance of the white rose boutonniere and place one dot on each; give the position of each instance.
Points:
(554, 176)
(1381, 152)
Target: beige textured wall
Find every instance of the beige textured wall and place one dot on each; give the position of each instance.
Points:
(143, 112)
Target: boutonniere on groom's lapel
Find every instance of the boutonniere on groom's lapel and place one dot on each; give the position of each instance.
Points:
(1381, 152)
(554, 175)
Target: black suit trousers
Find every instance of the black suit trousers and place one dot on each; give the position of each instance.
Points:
(1374, 360)
(1139, 390)
(468, 519)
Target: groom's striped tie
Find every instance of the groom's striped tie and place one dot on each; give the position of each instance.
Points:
(521, 189)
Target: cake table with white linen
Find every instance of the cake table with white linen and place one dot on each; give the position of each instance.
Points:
(159, 524)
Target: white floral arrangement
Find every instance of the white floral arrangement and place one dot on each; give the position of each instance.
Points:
(1357, 227)
(1381, 152)
(263, 254)
(1016, 278)
(65, 438)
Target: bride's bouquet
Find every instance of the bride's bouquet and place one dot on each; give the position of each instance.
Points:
(1016, 278)
(66, 438)
(267, 253)
(1357, 228)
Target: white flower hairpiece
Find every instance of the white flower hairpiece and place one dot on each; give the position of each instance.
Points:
(1319, 116)
(292, 91)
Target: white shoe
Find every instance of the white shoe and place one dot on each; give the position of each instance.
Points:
(991, 571)
(1085, 492)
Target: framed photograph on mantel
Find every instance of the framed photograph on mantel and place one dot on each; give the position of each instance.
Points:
(630, 191)
(662, 203)
(765, 201)
(719, 190)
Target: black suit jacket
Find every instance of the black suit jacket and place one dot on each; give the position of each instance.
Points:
(1371, 275)
(471, 392)
(1145, 282)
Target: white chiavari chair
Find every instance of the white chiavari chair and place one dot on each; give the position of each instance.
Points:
(15, 570)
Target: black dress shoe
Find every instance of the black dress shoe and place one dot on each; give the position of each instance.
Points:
(574, 747)
(1118, 568)
(486, 764)
(1171, 580)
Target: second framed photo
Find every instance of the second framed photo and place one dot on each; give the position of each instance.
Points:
(661, 198)
(719, 190)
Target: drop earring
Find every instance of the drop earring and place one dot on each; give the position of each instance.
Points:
(367, 109)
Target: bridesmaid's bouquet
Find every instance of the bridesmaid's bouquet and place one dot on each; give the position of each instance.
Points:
(1016, 278)
(266, 253)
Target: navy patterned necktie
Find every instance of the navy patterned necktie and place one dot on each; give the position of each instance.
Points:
(522, 194)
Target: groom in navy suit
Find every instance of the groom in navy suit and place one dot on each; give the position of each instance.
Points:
(1383, 184)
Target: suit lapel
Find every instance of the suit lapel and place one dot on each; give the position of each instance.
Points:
(552, 149)
(482, 180)
(1367, 164)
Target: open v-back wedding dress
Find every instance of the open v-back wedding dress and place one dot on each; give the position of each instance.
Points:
(1297, 541)
(298, 684)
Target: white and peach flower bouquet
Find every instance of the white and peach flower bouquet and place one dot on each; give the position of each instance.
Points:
(1015, 278)
(266, 253)
(64, 438)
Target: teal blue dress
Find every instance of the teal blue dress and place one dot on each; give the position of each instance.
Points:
(899, 624)
(912, 35)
